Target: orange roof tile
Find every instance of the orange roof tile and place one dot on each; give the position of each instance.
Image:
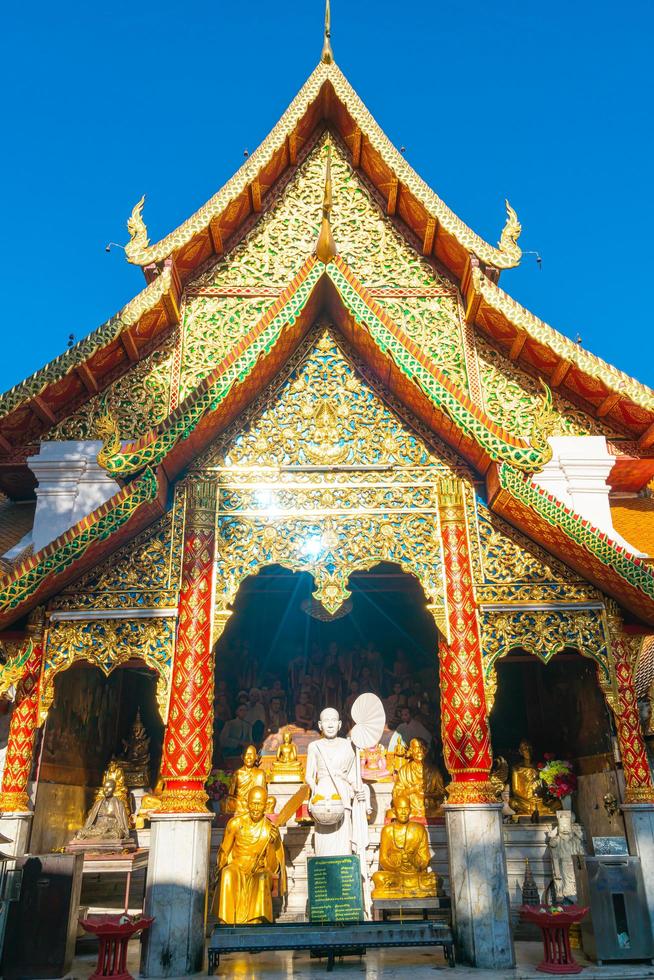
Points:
(634, 520)
(16, 519)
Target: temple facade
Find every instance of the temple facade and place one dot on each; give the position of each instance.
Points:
(324, 452)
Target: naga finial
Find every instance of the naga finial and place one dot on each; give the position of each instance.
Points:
(326, 246)
(545, 419)
(106, 428)
(14, 668)
(510, 233)
(327, 56)
(138, 233)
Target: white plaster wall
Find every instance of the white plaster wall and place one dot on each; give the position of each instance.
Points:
(577, 474)
(70, 485)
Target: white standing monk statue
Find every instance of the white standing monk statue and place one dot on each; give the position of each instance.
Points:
(332, 779)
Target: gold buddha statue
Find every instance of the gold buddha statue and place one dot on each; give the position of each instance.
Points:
(135, 762)
(107, 820)
(287, 768)
(245, 779)
(404, 858)
(150, 803)
(525, 781)
(420, 781)
(250, 854)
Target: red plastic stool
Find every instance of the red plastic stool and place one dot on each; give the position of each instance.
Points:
(113, 932)
(555, 927)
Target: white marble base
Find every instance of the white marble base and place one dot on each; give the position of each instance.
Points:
(176, 894)
(639, 823)
(17, 827)
(478, 886)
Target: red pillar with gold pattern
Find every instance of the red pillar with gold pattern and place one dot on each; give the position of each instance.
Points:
(464, 719)
(635, 766)
(188, 741)
(24, 723)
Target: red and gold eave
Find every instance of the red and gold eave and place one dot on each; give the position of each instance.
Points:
(556, 538)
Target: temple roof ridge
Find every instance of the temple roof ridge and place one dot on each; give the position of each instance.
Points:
(505, 255)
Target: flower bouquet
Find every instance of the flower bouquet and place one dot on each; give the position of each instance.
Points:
(217, 785)
(557, 778)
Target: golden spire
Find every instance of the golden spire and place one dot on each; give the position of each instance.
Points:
(327, 56)
(326, 247)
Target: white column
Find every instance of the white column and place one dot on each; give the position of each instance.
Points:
(17, 827)
(176, 894)
(479, 885)
(639, 822)
(70, 485)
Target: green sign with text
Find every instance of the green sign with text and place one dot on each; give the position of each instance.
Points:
(335, 889)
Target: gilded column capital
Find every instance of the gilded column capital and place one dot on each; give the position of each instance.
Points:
(450, 500)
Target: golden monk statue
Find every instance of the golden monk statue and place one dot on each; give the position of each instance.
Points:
(420, 781)
(243, 780)
(150, 803)
(107, 818)
(250, 854)
(525, 781)
(404, 858)
(287, 768)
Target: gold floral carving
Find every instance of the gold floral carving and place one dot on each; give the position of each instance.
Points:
(143, 574)
(544, 633)
(504, 257)
(108, 644)
(512, 399)
(326, 479)
(138, 401)
(540, 331)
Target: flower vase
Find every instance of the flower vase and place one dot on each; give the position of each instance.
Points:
(566, 802)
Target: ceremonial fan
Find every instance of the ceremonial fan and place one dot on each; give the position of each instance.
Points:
(369, 719)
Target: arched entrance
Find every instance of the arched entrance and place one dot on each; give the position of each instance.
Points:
(285, 657)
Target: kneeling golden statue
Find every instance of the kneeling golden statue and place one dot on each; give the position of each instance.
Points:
(404, 858)
(420, 781)
(250, 854)
(287, 768)
(245, 779)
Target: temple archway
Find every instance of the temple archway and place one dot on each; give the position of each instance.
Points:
(280, 639)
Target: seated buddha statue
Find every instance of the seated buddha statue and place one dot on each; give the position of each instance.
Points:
(287, 768)
(525, 781)
(243, 780)
(420, 781)
(107, 820)
(404, 858)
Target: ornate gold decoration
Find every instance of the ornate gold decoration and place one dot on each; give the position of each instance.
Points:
(508, 243)
(544, 633)
(329, 524)
(511, 398)
(139, 400)
(328, 72)
(138, 233)
(326, 246)
(108, 644)
(107, 430)
(465, 793)
(327, 55)
(130, 314)
(13, 669)
(541, 332)
(183, 801)
(143, 574)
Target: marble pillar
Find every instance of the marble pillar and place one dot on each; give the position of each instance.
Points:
(639, 823)
(17, 827)
(176, 894)
(479, 885)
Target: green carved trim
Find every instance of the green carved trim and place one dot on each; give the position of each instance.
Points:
(630, 568)
(210, 395)
(462, 412)
(56, 558)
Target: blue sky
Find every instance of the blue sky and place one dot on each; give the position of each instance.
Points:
(548, 104)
